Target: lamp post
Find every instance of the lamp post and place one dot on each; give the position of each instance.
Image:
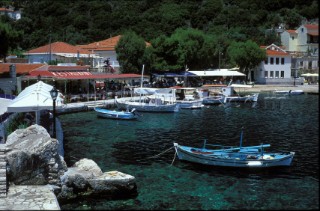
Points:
(54, 94)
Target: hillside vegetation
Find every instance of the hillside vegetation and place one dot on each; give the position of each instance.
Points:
(213, 24)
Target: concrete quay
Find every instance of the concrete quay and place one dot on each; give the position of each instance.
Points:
(29, 197)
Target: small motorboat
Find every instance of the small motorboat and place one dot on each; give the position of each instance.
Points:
(113, 114)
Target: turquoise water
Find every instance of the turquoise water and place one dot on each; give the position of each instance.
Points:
(136, 148)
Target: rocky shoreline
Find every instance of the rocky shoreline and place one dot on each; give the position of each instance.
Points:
(32, 159)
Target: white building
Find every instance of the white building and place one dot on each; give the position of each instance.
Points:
(62, 53)
(276, 69)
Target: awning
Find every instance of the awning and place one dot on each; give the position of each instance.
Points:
(73, 75)
(222, 72)
(35, 97)
(310, 75)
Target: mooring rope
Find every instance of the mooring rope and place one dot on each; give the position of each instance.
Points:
(174, 158)
(160, 153)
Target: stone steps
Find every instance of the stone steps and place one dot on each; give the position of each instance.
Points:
(3, 173)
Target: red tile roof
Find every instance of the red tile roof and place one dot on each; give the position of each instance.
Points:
(20, 68)
(59, 47)
(278, 50)
(104, 45)
(313, 33)
(63, 68)
(291, 31)
(2, 9)
(311, 26)
(276, 53)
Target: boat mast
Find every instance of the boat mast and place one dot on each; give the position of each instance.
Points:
(142, 76)
(241, 135)
(141, 83)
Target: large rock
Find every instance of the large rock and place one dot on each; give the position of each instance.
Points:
(85, 179)
(33, 158)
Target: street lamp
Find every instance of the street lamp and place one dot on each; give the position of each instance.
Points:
(54, 94)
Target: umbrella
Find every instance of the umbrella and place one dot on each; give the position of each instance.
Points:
(217, 73)
(35, 98)
(310, 74)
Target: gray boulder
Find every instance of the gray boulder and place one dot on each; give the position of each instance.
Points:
(85, 179)
(33, 157)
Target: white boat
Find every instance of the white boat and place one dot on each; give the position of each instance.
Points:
(245, 157)
(188, 97)
(150, 100)
(289, 92)
(231, 95)
(213, 95)
(113, 114)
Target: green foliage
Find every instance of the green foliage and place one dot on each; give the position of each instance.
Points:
(170, 25)
(246, 55)
(8, 39)
(130, 50)
(16, 123)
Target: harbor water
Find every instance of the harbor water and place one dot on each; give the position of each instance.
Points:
(144, 149)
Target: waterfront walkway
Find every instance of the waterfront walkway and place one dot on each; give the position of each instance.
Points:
(29, 197)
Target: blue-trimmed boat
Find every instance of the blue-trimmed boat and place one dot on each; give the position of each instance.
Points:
(250, 156)
(113, 114)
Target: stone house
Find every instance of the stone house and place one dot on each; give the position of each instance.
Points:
(303, 44)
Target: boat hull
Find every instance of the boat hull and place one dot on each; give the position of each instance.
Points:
(191, 104)
(229, 159)
(213, 100)
(104, 113)
(146, 107)
(248, 98)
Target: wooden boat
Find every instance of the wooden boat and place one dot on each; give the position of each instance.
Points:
(245, 157)
(113, 114)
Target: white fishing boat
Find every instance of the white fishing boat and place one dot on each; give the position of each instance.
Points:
(214, 95)
(231, 95)
(150, 100)
(188, 97)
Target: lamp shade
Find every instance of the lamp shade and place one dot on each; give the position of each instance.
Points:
(54, 93)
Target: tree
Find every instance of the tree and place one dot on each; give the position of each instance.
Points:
(247, 55)
(8, 39)
(130, 50)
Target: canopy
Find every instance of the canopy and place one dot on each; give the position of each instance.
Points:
(34, 98)
(310, 74)
(222, 72)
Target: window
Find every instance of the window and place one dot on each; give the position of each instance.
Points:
(301, 63)
(271, 60)
(271, 74)
(282, 60)
(282, 74)
(266, 74)
(277, 74)
(301, 29)
(277, 60)
(266, 61)
(292, 37)
(310, 65)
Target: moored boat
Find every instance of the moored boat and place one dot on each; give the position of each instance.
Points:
(244, 157)
(150, 100)
(113, 114)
